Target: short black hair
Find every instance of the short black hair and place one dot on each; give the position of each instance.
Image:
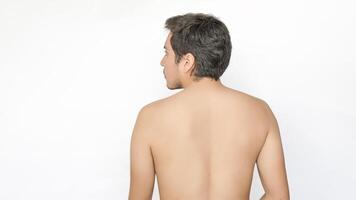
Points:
(204, 36)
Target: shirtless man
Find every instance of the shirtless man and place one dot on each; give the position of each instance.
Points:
(204, 141)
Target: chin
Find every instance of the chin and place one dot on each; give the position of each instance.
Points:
(174, 88)
(170, 87)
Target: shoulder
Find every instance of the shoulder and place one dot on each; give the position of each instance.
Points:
(265, 113)
(146, 121)
(151, 112)
(256, 106)
(153, 107)
(250, 100)
(159, 105)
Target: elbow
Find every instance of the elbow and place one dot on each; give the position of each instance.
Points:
(267, 196)
(282, 197)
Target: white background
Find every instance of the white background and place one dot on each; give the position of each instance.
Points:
(74, 74)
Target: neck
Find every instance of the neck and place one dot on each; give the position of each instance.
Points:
(202, 84)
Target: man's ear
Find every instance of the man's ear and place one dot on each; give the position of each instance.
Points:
(189, 61)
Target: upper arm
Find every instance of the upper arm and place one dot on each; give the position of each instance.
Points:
(270, 161)
(142, 172)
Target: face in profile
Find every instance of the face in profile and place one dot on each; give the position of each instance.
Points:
(171, 69)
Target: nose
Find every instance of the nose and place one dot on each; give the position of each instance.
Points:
(161, 63)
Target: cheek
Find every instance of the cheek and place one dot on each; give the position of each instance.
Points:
(170, 65)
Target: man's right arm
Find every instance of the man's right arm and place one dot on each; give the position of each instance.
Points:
(271, 164)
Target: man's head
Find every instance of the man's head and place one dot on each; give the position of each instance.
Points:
(198, 46)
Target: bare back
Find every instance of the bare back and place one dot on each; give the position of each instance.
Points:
(207, 144)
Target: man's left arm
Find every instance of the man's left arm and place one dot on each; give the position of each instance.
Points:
(142, 172)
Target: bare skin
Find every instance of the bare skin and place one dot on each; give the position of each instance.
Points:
(203, 142)
(206, 144)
